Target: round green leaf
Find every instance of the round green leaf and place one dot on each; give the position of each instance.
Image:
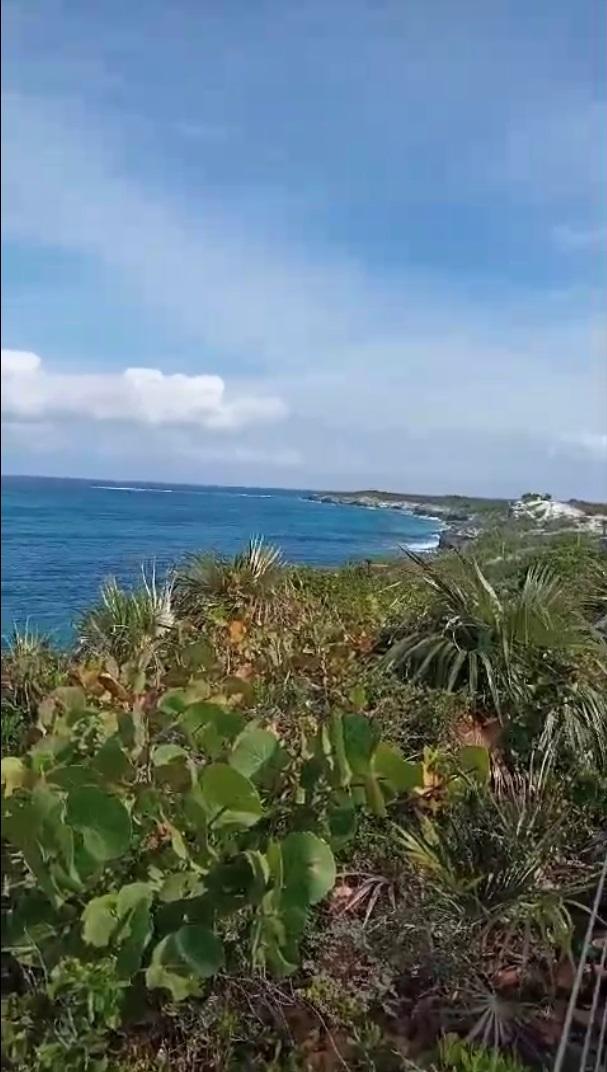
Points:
(164, 754)
(99, 920)
(389, 765)
(167, 971)
(253, 748)
(309, 868)
(210, 726)
(103, 821)
(72, 776)
(200, 950)
(173, 702)
(474, 760)
(229, 797)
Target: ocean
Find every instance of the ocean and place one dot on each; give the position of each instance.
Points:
(62, 538)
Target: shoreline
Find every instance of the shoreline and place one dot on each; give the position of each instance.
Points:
(457, 524)
(463, 519)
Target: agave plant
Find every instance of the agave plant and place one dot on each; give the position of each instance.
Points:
(245, 582)
(127, 624)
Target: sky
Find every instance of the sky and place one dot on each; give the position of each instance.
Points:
(307, 243)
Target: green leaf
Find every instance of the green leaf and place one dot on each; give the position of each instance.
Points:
(338, 747)
(374, 796)
(133, 906)
(179, 885)
(341, 815)
(167, 971)
(132, 729)
(14, 774)
(401, 775)
(163, 754)
(32, 922)
(173, 702)
(229, 798)
(210, 727)
(311, 772)
(200, 950)
(358, 697)
(309, 868)
(131, 895)
(136, 938)
(112, 761)
(196, 690)
(198, 654)
(183, 958)
(72, 776)
(474, 759)
(103, 821)
(234, 883)
(173, 766)
(261, 872)
(71, 697)
(360, 741)
(278, 934)
(253, 749)
(99, 920)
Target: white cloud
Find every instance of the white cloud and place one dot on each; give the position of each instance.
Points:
(373, 365)
(136, 395)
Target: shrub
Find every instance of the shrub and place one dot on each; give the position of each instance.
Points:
(525, 655)
(128, 625)
(246, 583)
(31, 667)
(182, 837)
(503, 859)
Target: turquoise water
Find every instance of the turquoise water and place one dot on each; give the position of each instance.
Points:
(62, 538)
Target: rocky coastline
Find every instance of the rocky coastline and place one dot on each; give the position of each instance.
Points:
(464, 519)
(458, 525)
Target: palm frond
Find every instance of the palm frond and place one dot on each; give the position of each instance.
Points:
(494, 644)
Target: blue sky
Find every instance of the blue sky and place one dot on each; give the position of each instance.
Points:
(360, 244)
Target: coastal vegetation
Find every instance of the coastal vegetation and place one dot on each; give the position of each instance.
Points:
(275, 817)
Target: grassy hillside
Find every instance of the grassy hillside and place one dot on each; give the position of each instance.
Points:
(266, 817)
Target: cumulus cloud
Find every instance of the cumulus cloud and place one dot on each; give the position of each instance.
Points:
(147, 396)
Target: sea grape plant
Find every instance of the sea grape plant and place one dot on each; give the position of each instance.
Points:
(167, 832)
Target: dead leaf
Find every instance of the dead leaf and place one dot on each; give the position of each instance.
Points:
(112, 686)
(237, 630)
(507, 979)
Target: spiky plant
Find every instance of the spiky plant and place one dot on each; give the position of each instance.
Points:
(247, 582)
(497, 859)
(31, 667)
(128, 624)
(503, 647)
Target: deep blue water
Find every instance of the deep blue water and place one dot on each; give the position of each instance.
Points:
(62, 538)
